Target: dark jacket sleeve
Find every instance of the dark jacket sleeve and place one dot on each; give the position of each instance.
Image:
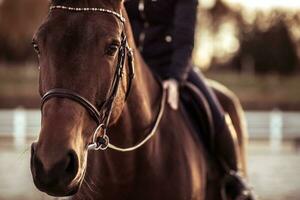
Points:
(183, 38)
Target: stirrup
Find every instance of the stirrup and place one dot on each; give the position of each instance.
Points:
(234, 187)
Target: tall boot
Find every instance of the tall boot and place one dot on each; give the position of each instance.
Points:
(234, 186)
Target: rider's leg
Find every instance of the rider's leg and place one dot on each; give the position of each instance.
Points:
(225, 146)
(224, 136)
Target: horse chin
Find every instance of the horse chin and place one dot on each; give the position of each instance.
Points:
(59, 190)
(70, 191)
(73, 187)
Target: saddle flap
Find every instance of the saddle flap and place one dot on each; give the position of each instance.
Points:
(199, 113)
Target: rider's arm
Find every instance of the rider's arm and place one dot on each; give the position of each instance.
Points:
(183, 38)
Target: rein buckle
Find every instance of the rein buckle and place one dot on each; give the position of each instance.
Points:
(100, 142)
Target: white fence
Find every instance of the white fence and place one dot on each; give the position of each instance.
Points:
(19, 124)
(275, 126)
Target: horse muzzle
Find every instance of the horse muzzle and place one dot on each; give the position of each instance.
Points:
(57, 179)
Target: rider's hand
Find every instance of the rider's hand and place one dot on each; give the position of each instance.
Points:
(171, 86)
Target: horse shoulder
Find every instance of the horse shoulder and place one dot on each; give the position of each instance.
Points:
(182, 153)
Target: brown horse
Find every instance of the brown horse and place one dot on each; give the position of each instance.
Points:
(82, 47)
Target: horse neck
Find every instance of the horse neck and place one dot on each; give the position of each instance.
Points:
(143, 101)
(146, 91)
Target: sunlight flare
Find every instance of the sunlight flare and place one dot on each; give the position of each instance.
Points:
(267, 4)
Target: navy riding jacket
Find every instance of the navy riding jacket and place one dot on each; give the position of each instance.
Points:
(164, 32)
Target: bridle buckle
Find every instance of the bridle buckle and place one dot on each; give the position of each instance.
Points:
(100, 142)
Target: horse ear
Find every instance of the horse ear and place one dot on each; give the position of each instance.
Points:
(120, 2)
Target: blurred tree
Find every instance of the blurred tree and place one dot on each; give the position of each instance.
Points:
(267, 50)
(249, 40)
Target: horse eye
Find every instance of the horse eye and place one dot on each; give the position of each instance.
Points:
(36, 47)
(111, 49)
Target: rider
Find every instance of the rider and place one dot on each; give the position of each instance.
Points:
(164, 33)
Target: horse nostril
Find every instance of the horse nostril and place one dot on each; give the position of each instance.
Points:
(71, 164)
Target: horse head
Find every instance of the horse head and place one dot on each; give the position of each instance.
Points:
(81, 47)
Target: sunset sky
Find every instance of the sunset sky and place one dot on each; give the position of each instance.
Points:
(258, 4)
(267, 4)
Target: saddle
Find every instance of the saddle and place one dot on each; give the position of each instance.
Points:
(199, 113)
(200, 116)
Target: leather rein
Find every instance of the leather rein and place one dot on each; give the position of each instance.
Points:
(102, 116)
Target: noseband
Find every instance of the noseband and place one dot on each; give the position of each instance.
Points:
(102, 117)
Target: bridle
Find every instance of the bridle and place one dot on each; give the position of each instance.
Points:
(102, 117)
